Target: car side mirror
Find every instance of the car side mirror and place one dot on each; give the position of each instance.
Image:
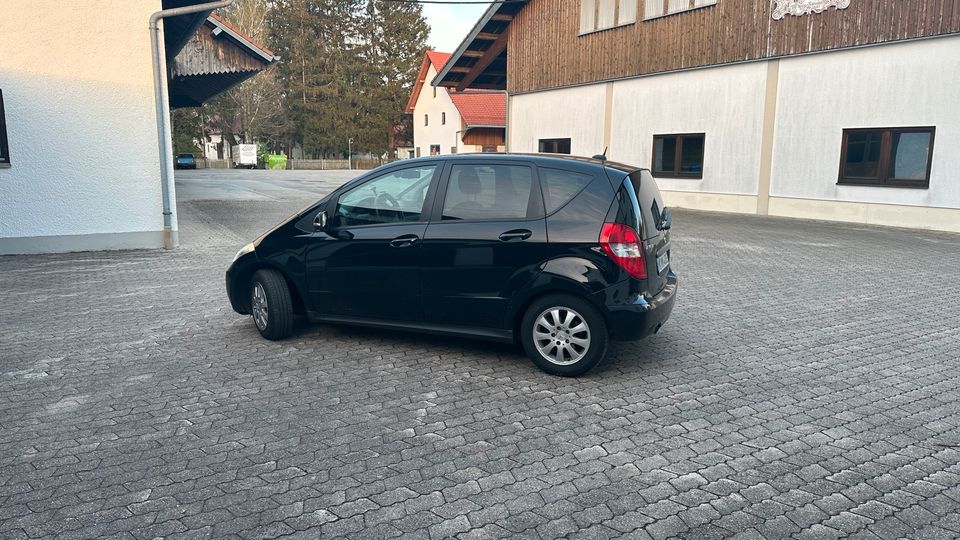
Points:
(666, 220)
(320, 222)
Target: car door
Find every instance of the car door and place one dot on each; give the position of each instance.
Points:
(366, 262)
(485, 241)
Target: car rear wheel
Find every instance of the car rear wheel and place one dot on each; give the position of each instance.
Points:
(564, 335)
(271, 305)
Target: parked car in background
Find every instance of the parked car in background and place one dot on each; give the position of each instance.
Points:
(244, 156)
(558, 254)
(185, 161)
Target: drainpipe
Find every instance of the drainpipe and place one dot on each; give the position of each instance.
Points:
(163, 109)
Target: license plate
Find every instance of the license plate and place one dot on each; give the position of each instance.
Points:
(663, 261)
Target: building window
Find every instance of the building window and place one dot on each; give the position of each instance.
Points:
(555, 146)
(489, 150)
(602, 14)
(434, 149)
(434, 92)
(678, 156)
(660, 8)
(443, 118)
(899, 157)
(426, 119)
(453, 149)
(418, 151)
(4, 146)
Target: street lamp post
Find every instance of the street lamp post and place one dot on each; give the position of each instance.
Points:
(350, 153)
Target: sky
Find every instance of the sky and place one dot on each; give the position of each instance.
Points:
(449, 24)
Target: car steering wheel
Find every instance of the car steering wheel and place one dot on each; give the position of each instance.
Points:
(388, 201)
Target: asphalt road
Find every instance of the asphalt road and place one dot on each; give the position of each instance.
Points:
(805, 387)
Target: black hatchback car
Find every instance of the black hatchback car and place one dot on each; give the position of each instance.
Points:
(559, 254)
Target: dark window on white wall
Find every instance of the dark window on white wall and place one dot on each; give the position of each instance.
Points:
(443, 118)
(4, 146)
(426, 119)
(555, 146)
(899, 157)
(678, 156)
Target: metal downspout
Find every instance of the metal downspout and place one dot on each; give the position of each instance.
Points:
(163, 109)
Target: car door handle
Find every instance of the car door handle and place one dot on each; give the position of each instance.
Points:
(406, 240)
(516, 234)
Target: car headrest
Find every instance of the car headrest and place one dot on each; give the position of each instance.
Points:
(469, 183)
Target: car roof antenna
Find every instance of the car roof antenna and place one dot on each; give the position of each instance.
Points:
(603, 156)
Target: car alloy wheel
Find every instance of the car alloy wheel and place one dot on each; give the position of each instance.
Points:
(259, 306)
(561, 335)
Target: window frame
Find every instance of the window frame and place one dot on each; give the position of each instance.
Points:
(4, 142)
(883, 178)
(678, 154)
(666, 13)
(554, 140)
(534, 204)
(617, 23)
(426, 120)
(439, 167)
(443, 119)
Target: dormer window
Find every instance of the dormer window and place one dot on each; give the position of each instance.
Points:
(598, 15)
(662, 8)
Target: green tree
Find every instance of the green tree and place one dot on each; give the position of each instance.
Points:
(186, 127)
(347, 70)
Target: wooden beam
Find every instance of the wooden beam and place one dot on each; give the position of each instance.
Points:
(502, 17)
(488, 57)
(472, 54)
(460, 69)
(489, 36)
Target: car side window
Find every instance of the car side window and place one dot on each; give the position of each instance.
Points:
(560, 186)
(395, 197)
(488, 192)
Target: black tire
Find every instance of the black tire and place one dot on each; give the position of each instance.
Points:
(279, 305)
(597, 335)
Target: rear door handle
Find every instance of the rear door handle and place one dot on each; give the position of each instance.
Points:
(515, 235)
(406, 240)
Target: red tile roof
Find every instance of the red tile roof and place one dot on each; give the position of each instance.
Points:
(438, 59)
(481, 108)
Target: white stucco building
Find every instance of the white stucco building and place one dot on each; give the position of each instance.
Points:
(837, 110)
(450, 122)
(83, 168)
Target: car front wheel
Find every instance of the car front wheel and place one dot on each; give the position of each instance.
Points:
(271, 305)
(564, 335)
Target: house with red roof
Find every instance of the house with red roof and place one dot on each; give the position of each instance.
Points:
(446, 121)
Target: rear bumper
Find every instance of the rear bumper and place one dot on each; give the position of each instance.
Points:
(643, 316)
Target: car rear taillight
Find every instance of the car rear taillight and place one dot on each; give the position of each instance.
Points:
(622, 244)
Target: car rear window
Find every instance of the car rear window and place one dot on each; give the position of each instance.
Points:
(488, 192)
(560, 187)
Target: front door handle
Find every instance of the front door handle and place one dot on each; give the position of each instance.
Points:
(406, 240)
(515, 235)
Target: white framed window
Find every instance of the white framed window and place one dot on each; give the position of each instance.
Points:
(661, 8)
(598, 15)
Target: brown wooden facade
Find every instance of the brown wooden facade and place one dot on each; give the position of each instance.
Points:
(485, 137)
(545, 49)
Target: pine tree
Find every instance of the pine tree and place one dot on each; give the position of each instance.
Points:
(348, 67)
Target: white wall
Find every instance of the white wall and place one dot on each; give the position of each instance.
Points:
(436, 133)
(908, 84)
(78, 91)
(574, 113)
(725, 103)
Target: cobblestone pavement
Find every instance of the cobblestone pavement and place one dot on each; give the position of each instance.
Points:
(806, 386)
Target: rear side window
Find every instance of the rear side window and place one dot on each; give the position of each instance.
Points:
(559, 187)
(488, 192)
